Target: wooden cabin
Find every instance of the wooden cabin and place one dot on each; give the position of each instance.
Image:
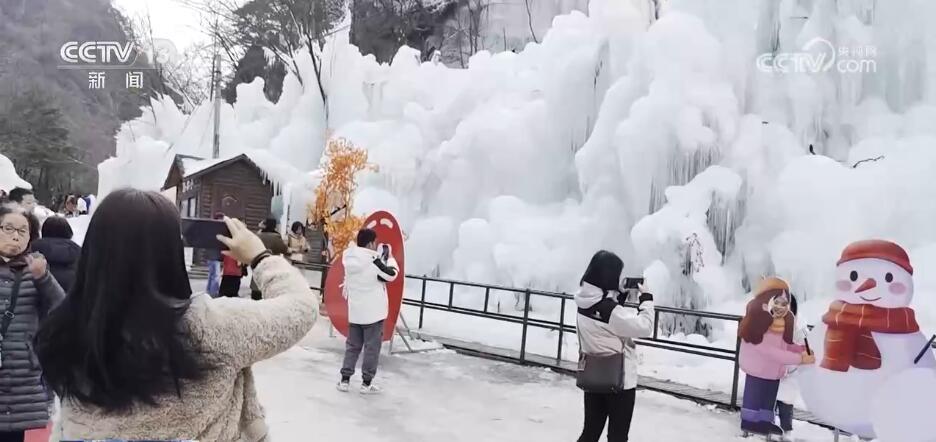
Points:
(235, 186)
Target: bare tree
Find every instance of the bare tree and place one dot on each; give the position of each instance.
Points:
(282, 28)
(530, 20)
(468, 27)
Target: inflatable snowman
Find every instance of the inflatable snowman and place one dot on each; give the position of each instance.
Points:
(868, 380)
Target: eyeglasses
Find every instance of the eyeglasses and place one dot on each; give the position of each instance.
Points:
(10, 230)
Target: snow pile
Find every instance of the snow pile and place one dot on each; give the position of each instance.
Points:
(658, 139)
(9, 179)
(79, 225)
(678, 232)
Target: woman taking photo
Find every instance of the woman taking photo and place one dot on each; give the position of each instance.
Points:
(606, 330)
(27, 292)
(134, 356)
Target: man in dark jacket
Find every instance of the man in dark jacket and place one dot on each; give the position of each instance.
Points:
(59, 250)
(274, 243)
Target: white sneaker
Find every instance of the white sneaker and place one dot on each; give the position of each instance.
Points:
(343, 386)
(370, 389)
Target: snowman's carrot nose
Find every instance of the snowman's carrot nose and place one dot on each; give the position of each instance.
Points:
(869, 284)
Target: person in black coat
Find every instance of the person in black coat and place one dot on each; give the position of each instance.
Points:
(59, 250)
(24, 403)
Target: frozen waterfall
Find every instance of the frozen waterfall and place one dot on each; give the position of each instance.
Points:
(680, 143)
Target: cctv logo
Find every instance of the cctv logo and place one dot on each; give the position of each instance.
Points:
(98, 53)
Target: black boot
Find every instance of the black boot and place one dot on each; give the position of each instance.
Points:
(771, 428)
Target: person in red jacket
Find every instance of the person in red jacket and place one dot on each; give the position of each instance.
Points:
(231, 274)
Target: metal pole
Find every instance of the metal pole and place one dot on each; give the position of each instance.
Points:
(656, 320)
(561, 323)
(487, 297)
(422, 304)
(737, 374)
(216, 146)
(451, 293)
(526, 317)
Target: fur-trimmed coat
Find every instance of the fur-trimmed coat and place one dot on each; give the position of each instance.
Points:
(223, 406)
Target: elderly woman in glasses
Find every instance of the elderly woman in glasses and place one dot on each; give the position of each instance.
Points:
(27, 292)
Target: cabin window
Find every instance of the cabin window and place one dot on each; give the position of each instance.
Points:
(189, 208)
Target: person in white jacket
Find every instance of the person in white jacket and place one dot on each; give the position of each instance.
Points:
(605, 327)
(367, 269)
(789, 389)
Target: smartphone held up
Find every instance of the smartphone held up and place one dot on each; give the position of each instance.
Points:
(203, 233)
(632, 283)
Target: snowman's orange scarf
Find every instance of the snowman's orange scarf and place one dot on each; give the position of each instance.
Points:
(848, 341)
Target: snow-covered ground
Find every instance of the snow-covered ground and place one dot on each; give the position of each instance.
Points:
(445, 396)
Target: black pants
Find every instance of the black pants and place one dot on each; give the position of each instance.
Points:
(14, 436)
(785, 411)
(617, 409)
(230, 286)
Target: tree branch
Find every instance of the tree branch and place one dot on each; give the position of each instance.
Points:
(855, 166)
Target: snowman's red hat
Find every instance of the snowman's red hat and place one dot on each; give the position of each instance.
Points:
(877, 248)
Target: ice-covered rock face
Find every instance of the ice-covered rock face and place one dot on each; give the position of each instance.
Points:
(874, 281)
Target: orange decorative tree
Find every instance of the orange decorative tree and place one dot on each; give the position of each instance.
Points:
(334, 197)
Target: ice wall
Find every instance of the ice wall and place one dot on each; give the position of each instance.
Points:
(661, 140)
(9, 179)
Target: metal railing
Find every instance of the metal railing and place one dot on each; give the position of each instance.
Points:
(561, 326)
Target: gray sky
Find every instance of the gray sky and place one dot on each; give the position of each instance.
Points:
(171, 19)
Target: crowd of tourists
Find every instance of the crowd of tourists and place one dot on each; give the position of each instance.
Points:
(225, 273)
(113, 330)
(131, 336)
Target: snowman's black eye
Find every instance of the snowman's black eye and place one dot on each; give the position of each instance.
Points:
(853, 276)
(889, 277)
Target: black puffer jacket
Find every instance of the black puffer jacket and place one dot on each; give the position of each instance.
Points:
(23, 400)
(62, 255)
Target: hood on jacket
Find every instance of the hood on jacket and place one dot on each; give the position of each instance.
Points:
(356, 259)
(588, 295)
(58, 250)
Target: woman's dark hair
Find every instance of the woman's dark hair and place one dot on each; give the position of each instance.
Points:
(757, 320)
(604, 271)
(297, 227)
(118, 338)
(365, 237)
(793, 306)
(57, 227)
(31, 220)
(269, 225)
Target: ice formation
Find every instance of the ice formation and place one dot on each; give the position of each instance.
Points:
(663, 140)
(9, 179)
